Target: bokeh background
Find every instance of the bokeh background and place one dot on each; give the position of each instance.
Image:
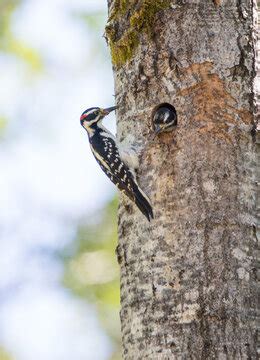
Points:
(59, 279)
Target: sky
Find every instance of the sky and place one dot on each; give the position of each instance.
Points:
(49, 180)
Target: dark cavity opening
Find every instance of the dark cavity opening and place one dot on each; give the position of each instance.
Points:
(160, 106)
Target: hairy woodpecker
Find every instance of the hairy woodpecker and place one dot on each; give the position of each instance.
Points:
(112, 160)
(164, 119)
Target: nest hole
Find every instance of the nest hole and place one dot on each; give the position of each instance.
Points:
(160, 106)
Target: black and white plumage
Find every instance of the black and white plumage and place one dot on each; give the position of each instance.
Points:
(107, 152)
(164, 119)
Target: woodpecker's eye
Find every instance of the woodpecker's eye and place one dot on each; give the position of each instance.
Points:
(96, 112)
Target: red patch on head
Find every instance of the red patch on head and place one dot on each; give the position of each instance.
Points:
(83, 116)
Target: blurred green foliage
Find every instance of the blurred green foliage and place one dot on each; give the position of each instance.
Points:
(12, 46)
(4, 355)
(3, 124)
(9, 43)
(94, 20)
(92, 272)
(95, 23)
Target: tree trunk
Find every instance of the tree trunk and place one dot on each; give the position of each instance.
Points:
(188, 278)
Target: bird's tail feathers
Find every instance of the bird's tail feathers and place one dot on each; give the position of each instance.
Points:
(143, 203)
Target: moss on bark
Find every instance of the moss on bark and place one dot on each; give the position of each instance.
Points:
(140, 17)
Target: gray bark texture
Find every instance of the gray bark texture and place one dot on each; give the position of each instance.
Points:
(189, 278)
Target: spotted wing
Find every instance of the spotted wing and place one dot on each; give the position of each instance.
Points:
(107, 155)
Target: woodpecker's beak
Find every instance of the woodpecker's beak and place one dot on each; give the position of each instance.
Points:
(106, 111)
(157, 129)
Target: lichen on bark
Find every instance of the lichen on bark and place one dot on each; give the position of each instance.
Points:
(140, 16)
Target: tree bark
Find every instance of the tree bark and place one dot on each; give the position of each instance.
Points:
(188, 278)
